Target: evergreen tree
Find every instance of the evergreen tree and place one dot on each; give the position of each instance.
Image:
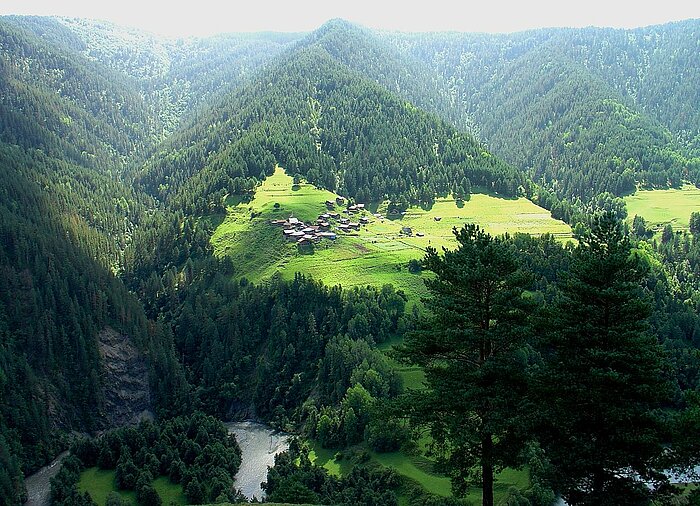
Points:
(472, 353)
(602, 381)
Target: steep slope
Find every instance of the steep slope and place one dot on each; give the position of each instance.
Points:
(315, 116)
(55, 100)
(69, 129)
(400, 72)
(175, 76)
(584, 111)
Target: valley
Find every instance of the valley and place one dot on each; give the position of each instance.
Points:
(412, 256)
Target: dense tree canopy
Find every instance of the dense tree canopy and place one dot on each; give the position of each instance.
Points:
(472, 351)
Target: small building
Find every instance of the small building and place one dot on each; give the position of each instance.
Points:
(352, 208)
(344, 221)
(293, 221)
(335, 216)
(437, 218)
(406, 230)
(354, 225)
(297, 234)
(328, 235)
(364, 220)
(419, 234)
(344, 227)
(324, 225)
(360, 206)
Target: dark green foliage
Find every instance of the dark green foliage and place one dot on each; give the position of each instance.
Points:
(584, 111)
(197, 451)
(694, 223)
(82, 248)
(114, 499)
(603, 380)
(295, 479)
(11, 479)
(63, 485)
(472, 351)
(318, 118)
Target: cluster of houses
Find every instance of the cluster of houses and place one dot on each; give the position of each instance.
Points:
(305, 233)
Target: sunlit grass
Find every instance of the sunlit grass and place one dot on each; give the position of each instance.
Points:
(100, 482)
(662, 207)
(375, 255)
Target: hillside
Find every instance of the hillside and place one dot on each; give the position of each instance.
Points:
(175, 76)
(312, 114)
(142, 270)
(582, 111)
(377, 253)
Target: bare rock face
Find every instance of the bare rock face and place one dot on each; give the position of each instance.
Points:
(127, 394)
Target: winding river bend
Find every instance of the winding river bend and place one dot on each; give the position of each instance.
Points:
(259, 445)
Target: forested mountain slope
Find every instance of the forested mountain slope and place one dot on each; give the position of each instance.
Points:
(117, 147)
(69, 129)
(175, 76)
(315, 116)
(584, 111)
(70, 107)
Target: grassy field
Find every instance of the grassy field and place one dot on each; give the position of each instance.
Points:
(661, 207)
(376, 254)
(99, 483)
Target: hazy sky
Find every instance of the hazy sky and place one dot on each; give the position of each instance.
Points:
(205, 17)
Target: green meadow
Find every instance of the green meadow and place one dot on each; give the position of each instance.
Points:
(100, 482)
(662, 207)
(376, 254)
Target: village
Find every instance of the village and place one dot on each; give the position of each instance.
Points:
(327, 225)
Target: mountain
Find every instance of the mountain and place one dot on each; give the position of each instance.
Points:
(315, 115)
(582, 111)
(120, 151)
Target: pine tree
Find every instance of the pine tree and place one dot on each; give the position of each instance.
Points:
(472, 352)
(602, 381)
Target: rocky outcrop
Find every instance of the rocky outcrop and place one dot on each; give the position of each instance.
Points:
(127, 394)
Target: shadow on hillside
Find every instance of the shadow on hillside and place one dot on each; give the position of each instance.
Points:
(236, 199)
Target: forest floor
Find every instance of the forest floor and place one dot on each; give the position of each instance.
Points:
(378, 253)
(662, 207)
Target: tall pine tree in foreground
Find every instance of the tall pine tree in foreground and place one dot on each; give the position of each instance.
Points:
(602, 386)
(471, 350)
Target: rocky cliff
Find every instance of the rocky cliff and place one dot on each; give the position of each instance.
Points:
(127, 394)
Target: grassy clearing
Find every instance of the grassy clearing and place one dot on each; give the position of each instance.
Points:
(661, 207)
(325, 458)
(169, 492)
(99, 483)
(375, 255)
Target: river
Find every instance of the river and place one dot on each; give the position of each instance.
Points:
(259, 445)
(39, 484)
